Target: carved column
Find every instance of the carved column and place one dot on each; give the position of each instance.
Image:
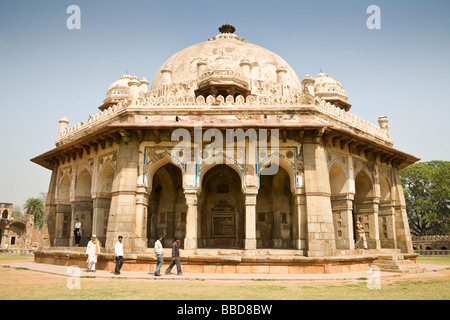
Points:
(250, 218)
(190, 240)
(49, 226)
(404, 241)
(142, 202)
(321, 238)
(122, 216)
(300, 233)
(342, 206)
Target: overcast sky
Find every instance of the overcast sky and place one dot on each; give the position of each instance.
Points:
(48, 71)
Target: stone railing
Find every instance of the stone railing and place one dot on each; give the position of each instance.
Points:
(351, 120)
(150, 100)
(431, 238)
(94, 121)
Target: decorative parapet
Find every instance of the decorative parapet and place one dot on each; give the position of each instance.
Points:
(93, 122)
(151, 100)
(431, 238)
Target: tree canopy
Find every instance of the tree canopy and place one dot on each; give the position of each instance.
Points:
(426, 186)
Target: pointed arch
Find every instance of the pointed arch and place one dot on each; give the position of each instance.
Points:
(338, 179)
(287, 166)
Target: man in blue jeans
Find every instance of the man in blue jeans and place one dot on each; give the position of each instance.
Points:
(175, 258)
(159, 256)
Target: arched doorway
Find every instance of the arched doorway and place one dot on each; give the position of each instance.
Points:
(342, 207)
(167, 206)
(274, 211)
(5, 214)
(386, 216)
(365, 207)
(102, 202)
(82, 207)
(222, 210)
(63, 213)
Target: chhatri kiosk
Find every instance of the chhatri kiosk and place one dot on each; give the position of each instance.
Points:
(254, 170)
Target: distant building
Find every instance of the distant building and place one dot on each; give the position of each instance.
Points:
(17, 233)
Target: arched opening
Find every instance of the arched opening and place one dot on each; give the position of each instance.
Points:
(5, 214)
(364, 207)
(63, 214)
(82, 206)
(167, 206)
(341, 206)
(274, 211)
(386, 215)
(221, 207)
(102, 201)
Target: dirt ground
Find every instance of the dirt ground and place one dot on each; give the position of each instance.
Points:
(39, 278)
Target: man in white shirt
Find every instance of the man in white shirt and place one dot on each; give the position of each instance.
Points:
(118, 253)
(159, 256)
(92, 251)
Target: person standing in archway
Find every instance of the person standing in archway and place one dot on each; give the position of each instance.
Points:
(77, 232)
(361, 233)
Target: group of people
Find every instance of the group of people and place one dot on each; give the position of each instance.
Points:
(93, 250)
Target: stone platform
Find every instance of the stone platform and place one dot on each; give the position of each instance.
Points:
(260, 261)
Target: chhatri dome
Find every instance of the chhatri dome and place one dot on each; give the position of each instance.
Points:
(329, 89)
(229, 57)
(118, 90)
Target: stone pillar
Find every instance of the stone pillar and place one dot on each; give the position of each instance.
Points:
(101, 207)
(191, 237)
(386, 224)
(142, 202)
(63, 123)
(49, 226)
(342, 206)
(133, 91)
(300, 232)
(250, 218)
(122, 216)
(404, 241)
(321, 239)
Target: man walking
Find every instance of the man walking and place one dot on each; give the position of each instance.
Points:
(175, 258)
(118, 253)
(92, 251)
(361, 233)
(159, 256)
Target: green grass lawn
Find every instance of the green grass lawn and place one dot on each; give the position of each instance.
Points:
(4, 257)
(442, 260)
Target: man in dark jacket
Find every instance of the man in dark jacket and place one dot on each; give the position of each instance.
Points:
(175, 258)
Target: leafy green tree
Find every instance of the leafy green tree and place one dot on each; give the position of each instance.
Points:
(427, 193)
(36, 207)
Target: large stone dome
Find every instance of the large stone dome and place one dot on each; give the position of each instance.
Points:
(225, 55)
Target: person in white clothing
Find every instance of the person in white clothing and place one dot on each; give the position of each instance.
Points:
(118, 253)
(77, 232)
(159, 256)
(92, 251)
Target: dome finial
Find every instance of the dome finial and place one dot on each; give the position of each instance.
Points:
(227, 28)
